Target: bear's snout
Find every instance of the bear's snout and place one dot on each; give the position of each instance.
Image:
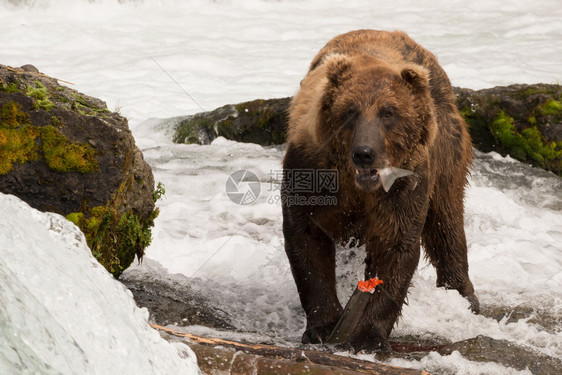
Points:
(363, 156)
(366, 175)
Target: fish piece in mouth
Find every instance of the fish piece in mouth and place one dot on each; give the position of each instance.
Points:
(390, 174)
(386, 176)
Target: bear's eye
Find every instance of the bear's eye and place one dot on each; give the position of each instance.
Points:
(386, 112)
(350, 116)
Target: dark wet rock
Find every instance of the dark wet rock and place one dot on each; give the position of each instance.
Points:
(167, 306)
(259, 121)
(524, 121)
(478, 349)
(172, 299)
(546, 318)
(65, 152)
(487, 349)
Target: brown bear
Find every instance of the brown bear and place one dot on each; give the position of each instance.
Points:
(372, 100)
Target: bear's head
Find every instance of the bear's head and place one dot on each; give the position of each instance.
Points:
(375, 115)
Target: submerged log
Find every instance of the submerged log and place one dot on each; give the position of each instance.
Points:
(219, 356)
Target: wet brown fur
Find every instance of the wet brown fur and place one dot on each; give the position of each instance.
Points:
(351, 83)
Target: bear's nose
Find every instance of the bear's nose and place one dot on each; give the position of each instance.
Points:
(363, 156)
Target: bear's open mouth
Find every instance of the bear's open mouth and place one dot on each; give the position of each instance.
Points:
(362, 174)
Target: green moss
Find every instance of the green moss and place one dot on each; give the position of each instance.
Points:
(116, 238)
(56, 122)
(189, 130)
(18, 144)
(265, 117)
(61, 98)
(527, 145)
(75, 217)
(551, 107)
(506, 135)
(278, 138)
(551, 90)
(39, 93)
(256, 108)
(466, 112)
(522, 94)
(530, 91)
(478, 127)
(62, 155)
(538, 149)
(9, 88)
(82, 109)
(86, 108)
(44, 104)
(12, 116)
(95, 228)
(226, 129)
(17, 138)
(135, 237)
(159, 192)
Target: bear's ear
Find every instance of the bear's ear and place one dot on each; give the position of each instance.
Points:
(339, 69)
(416, 76)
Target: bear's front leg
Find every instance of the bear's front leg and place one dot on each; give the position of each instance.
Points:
(395, 266)
(311, 255)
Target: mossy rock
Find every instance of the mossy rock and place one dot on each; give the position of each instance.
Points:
(259, 121)
(524, 121)
(65, 152)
